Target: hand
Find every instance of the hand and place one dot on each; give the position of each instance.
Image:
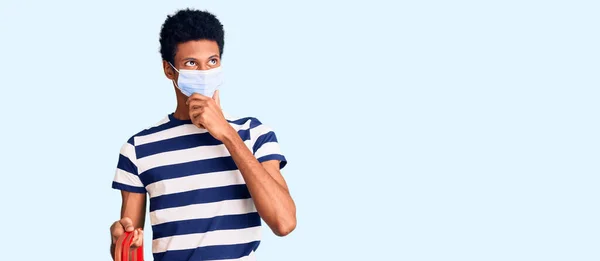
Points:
(125, 224)
(206, 113)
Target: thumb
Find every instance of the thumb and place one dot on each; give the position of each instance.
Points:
(127, 224)
(216, 98)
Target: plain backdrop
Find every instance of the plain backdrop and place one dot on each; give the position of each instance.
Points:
(414, 130)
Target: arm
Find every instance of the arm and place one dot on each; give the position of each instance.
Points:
(264, 181)
(266, 185)
(133, 206)
(133, 198)
(133, 210)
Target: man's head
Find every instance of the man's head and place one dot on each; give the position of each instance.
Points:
(192, 40)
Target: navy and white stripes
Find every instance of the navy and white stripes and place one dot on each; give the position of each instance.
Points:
(200, 207)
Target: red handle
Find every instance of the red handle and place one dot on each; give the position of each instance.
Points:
(123, 249)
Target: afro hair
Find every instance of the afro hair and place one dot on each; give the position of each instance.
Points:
(189, 25)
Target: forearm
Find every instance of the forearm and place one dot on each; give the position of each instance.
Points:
(112, 250)
(133, 210)
(272, 199)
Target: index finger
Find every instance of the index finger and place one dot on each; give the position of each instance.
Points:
(196, 96)
(116, 230)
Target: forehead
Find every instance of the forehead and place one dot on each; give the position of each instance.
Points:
(201, 49)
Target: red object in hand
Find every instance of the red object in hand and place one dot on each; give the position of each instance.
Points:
(123, 249)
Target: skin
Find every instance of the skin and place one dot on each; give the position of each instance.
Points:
(264, 180)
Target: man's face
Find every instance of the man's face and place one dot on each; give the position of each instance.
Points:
(194, 55)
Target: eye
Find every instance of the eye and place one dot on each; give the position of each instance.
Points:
(190, 63)
(212, 62)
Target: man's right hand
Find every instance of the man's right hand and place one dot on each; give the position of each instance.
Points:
(125, 224)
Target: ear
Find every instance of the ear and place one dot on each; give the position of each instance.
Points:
(169, 71)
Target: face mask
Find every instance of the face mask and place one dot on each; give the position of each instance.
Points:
(204, 82)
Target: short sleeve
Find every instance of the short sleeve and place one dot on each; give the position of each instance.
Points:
(266, 147)
(127, 176)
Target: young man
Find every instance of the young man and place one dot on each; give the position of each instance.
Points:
(210, 177)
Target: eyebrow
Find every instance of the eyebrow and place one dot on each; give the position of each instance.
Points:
(194, 59)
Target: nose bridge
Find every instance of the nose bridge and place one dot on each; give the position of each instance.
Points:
(203, 66)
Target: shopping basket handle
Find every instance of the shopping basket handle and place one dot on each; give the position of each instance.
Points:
(123, 249)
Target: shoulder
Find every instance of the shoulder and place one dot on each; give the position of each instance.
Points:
(252, 128)
(245, 120)
(245, 123)
(164, 124)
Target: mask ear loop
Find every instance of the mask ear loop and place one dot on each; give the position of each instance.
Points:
(174, 82)
(173, 67)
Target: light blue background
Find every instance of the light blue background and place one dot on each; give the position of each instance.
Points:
(415, 130)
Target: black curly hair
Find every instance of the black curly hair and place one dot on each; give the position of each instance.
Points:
(189, 25)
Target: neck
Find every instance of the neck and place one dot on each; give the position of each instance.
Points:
(182, 111)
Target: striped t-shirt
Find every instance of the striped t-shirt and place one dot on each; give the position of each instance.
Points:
(200, 207)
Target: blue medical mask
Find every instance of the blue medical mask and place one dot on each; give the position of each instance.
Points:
(204, 82)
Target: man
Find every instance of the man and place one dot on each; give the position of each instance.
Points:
(210, 177)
